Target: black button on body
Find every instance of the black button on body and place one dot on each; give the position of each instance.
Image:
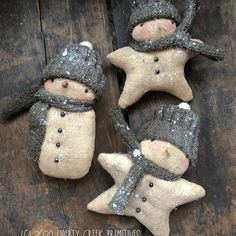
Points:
(58, 145)
(144, 199)
(138, 210)
(56, 159)
(59, 130)
(156, 59)
(63, 114)
(157, 72)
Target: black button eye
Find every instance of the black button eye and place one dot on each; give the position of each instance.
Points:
(172, 22)
(52, 79)
(141, 24)
(86, 90)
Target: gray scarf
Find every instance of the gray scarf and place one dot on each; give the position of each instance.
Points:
(68, 104)
(141, 166)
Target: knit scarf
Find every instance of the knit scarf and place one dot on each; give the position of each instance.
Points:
(65, 103)
(141, 166)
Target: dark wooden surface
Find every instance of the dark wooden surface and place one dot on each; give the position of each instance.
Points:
(32, 31)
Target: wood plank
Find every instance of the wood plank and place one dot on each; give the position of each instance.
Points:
(214, 99)
(33, 32)
(71, 22)
(24, 190)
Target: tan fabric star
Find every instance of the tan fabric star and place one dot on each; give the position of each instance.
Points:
(150, 205)
(154, 71)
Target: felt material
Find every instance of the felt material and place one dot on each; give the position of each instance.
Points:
(76, 140)
(19, 104)
(69, 88)
(79, 63)
(154, 71)
(181, 38)
(38, 117)
(160, 199)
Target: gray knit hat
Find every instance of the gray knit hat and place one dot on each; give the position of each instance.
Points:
(176, 125)
(144, 10)
(81, 63)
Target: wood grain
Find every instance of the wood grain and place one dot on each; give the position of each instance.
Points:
(32, 32)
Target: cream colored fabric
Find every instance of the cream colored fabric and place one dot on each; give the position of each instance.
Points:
(161, 198)
(140, 68)
(77, 142)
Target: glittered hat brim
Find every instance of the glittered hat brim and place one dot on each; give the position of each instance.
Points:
(151, 12)
(82, 76)
(78, 63)
(174, 134)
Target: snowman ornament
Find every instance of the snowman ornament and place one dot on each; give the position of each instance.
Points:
(62, 120)
(159, 49)
(148, 183)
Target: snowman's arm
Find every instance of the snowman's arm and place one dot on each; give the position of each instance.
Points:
(121, 57)
(187, 191)
(189, 15)
(117, 165)
(19, 104)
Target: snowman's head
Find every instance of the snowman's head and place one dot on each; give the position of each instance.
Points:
(152, 19)
(166, 155)
(153, 29)
(172, 133)
(76, 73)
(69, 88)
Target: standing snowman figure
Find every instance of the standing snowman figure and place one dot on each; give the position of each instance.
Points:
(62, 119)
(159, 49)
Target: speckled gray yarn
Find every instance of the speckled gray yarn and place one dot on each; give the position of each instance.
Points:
(79, 63)
(141, 166)
(144, 10)
(18, 104)
(128, 137)
(65, 103)
(175, 125)
(37, 129)
(181, 38)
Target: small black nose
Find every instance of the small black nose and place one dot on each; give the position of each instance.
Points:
(65, 84)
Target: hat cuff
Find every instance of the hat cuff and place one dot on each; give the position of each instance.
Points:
(152, 12)
(174, 134)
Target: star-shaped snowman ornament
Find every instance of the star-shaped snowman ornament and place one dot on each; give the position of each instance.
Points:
(148, 183)
(154, 71)
(153, 199)
(159, 49)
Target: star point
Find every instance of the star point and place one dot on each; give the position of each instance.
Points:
(149, 204)
(155, 71)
